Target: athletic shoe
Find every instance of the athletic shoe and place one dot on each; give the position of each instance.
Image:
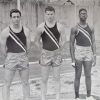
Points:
(90, 98)
(76, 99)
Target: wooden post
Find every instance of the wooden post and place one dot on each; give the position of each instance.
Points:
(18, 4)
(36, 11)
(75, 11)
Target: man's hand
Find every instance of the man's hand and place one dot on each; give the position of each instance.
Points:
(94, 60)
(73, 64)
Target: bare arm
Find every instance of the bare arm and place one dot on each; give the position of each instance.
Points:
(62, 40)
(93, 42)
(93, 47)
(28, 36)
(63, 36)
(3, 37)
(72, 41)
(37, 37)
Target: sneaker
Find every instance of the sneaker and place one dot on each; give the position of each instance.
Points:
(90, 98)
(76, 99)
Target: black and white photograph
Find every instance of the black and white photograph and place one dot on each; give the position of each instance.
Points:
(49, 50)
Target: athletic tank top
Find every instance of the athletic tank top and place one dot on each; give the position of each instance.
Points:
(12, 46)
(48, 44)
(81, 39)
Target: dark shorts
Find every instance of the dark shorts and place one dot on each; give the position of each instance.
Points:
(16, 61)
(50, 58)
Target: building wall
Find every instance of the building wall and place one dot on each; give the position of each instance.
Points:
(33, 14)
(96, 23)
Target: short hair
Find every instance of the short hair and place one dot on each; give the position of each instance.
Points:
(49, 8)
(14, 11)
(82, 9)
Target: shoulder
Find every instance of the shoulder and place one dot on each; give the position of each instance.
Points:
(74, 29)
(91, 28)
(40, 27)
(60, 27)
(27, 33)
(25, 29)
(5, 32)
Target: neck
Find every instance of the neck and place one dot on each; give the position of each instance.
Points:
(83, 23)
(16, 26)
(50, 24)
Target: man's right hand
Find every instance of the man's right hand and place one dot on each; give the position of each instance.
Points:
(94, 60)
(73, 64)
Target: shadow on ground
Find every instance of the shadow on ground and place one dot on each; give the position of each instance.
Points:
(83, 96)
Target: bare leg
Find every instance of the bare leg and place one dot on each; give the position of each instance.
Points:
(45, 74)
(78, 71)
(24, 74)
(8, 77)
(56, 73)
(87, 71)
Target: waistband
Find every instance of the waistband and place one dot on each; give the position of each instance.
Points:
(82, 47)
(21, 53)
(54, 52)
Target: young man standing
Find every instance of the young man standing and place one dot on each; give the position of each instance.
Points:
(83, 53)
(52, 34)
(15, 44)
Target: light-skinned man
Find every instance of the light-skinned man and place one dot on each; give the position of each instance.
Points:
(15, 44)
(52, 34)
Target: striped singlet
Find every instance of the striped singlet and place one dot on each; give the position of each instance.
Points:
(12, 46)
(48, 44)
(83, 36)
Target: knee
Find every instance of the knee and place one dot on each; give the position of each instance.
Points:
(44, 80)
(88, 76)
(7, 83)
(57, 78)
(77, 78)
(78, 75)
(25, 83)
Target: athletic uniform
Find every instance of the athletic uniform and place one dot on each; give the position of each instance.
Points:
(83, 51)
(50, 39)
(16, 56)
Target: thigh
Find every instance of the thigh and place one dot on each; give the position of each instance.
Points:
(8, 75)
(56, 72)
(24, 75)
(11, 62)
(56, 60)
(79, 53)
(45, 72)
(45, 60)
(87, 67)
(78, 68)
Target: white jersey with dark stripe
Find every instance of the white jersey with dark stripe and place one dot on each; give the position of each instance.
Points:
(83, 36)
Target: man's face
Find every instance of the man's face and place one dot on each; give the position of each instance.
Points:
(83, 15)
(50, 16)
(15, 18)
